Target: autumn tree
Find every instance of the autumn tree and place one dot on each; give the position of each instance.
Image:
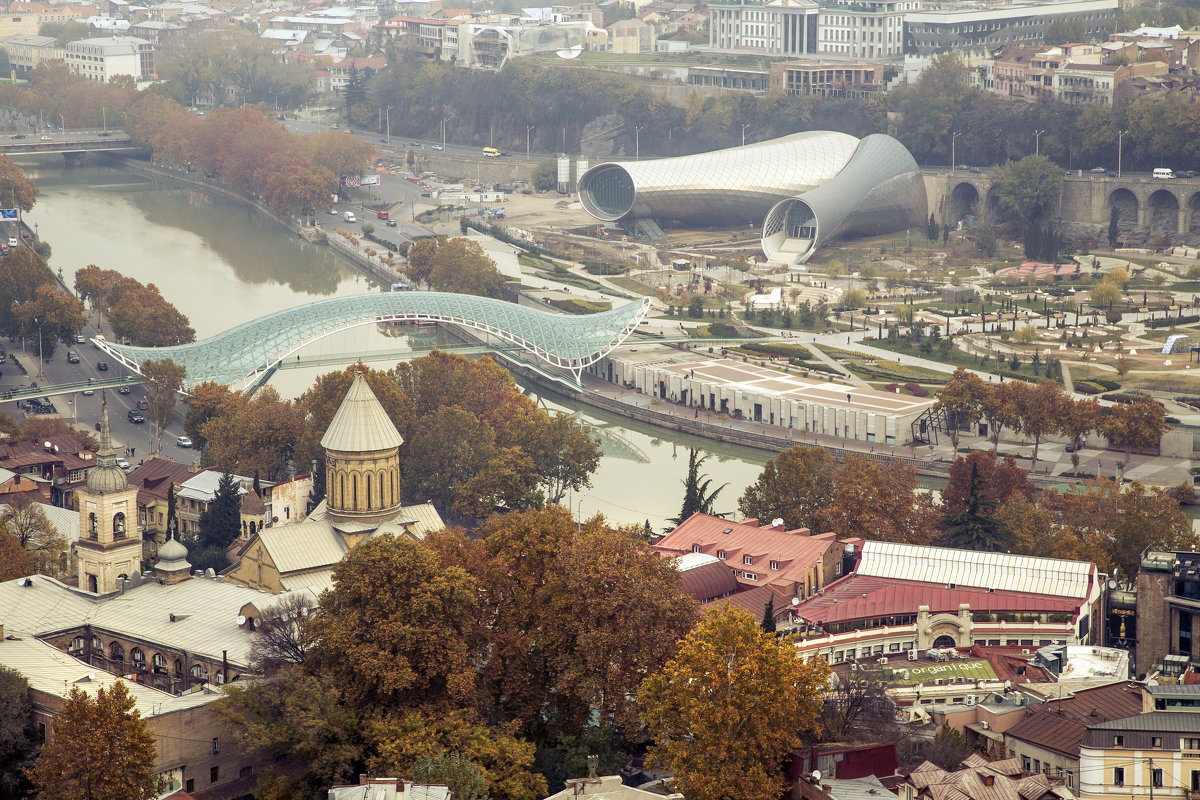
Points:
(553, 665)
(17, 744)
(15, 562)
(1027, 192)
(728, 710)
(1080, 418)
(961, 400)
(1113, 526)
(1135, 426)
(398, 629)
(1105, 294)
(92, 285)
(251, 435)
(322, 400)
(205, 401)
(857, 708)
(793, 486)
(101, 750)
(697, 496)
(281, 636)
(459, 774)
(454, 265)
(1000, 410)
(999, 479)
(564, 452)
(879, 500)
(146, 319)
(1040, 407)
(22, 271)
(47, 547)
(50, 317)
(15, 186)
(1033, 530)
(162, 381)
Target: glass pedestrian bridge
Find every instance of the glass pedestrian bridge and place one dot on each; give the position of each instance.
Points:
(241, 356)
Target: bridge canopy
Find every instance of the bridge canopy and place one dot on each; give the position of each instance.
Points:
(238, 356)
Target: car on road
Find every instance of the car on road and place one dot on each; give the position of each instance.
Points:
(1099, 170)
(1188, 173)
(414, 144)
(437, 147)
(1111, 174)
(122, 390)
(183, 441)
(123, 463)
(79, 338)
(143, 404)
(47, 138)
(18, 136)
(88, 392)
(135, 417)
(505, 155)
(12, 241)
(391, 223)
(102, 366)
(72, 357)
(104, 133)
(382, 215)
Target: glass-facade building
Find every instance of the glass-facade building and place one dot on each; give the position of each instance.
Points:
(803, 189)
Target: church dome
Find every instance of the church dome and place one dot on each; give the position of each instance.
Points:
(173, 550)
(361, 425)
(106, 477)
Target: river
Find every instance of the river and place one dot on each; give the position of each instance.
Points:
(221, 263)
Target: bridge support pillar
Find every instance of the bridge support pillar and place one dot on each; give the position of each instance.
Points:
(1185, 220)
(73, 159)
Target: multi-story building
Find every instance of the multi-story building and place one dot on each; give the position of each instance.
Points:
(1154, 755)
(941, 30)
(775, 27)
(871, 29)
(826, 80)
(1010, 67)
(105, 58)
(1168, 609)
(26, 52)
(901, 599)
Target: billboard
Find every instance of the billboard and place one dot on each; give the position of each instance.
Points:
(350, 181)
(9, 213)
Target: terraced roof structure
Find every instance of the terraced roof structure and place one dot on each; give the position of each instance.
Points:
(238, 356)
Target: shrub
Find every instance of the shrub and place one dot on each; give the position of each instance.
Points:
(1108, 384)
(916, 389)
(1186, 319)
(1088, 387)
(780, 349)
(891, 387)
(722, 330)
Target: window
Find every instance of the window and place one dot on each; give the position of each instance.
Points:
(1118, 776)
(1025, 765)
(695, 548)
(721, 554)
(160, 664)
(190, 786)
(747, 560)
(213, 774)
(1156, 777)
(216, 745)
(1191, 744)
(1118, 741)
(774, 565)
(1156, 741)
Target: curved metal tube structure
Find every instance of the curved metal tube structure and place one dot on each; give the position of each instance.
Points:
(240, 355)
(879, 190)
(732, 186)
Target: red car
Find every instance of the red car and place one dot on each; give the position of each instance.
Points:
(381, 215)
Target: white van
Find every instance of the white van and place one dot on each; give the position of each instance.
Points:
(349, 217)
(1163, 172)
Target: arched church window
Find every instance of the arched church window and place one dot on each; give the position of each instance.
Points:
(119, 525)
(93, 525)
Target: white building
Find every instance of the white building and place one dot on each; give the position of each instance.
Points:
(864, 28)
(776, 27)
(103, 59)
(940, 30)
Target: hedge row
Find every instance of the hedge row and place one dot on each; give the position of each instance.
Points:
(1169, 322)
(780, 349)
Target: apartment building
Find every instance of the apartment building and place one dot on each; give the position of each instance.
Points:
(105, 58)
(941, 30)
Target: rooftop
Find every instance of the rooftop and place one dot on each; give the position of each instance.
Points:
(360, 424)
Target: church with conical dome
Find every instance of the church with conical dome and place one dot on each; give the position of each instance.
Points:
(362, 499)
(109, 548)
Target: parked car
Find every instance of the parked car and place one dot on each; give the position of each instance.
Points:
(123, 463)
(183, 441)
(102, 366)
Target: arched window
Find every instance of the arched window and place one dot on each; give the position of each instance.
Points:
(341, 491)
(199, 673)
(368, 491)
(77, 646)
(119, 525)
(382, 488)
(160, 664)
(97, 645)
(93, 526)
(220, 677)
(138, 658)
(354, 491)
(116, 654)
(178, 667)
(244, 529)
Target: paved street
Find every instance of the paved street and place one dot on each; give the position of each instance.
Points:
(85, 411)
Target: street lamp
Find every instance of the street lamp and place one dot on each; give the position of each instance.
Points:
(387, 116)
(953, 136)
(1120, 140)
(528, 128)
(64, 126)
(637, 143)
(744, 126)
(444, 121)
(1037, 142)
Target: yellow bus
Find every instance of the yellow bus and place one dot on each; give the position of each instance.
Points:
(491, 152)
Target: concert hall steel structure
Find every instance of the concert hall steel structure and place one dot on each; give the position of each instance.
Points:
(803, 189)
(239, 356)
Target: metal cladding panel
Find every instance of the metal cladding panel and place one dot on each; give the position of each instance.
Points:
(999, 571)
(729, 186)
(879, 190)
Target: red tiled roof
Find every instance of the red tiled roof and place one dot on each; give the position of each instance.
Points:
(712, 580)
(866, 597)
(794, 551)
(1102, 703)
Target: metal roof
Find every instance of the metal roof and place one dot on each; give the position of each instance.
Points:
(999, 571)
(241, 354)
(360, 424)
(1154, 721)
